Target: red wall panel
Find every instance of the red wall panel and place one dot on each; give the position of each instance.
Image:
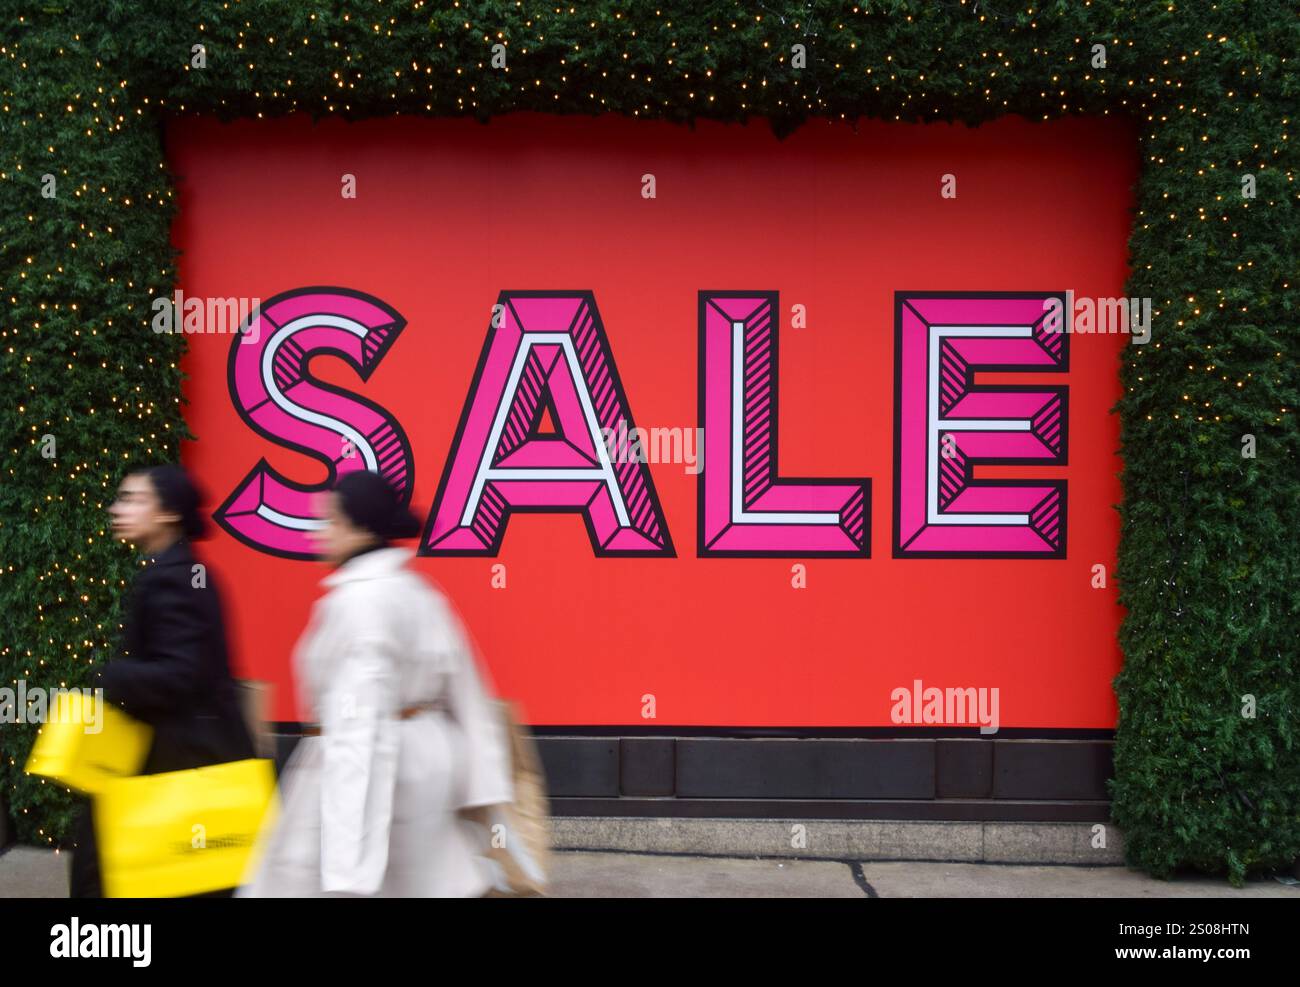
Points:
(450, 213)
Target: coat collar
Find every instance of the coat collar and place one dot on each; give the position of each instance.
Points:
(175, 553)
(372, 565)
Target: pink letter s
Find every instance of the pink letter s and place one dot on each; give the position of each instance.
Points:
(274, 393)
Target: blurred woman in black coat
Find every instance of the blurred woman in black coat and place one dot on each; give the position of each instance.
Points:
(173, 672)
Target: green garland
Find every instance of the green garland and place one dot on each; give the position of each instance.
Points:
(1210, 543)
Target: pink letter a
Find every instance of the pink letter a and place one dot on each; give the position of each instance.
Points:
(549, 352)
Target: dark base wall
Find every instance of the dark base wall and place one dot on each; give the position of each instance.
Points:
(1017, 776)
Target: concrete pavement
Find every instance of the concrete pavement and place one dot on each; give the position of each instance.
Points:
(27, 872)
(622, 875)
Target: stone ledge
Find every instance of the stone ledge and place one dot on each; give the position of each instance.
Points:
(970, 842)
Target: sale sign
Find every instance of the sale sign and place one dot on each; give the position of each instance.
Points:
(708, 429)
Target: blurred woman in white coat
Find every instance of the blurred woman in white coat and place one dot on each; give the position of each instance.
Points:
(407, 736)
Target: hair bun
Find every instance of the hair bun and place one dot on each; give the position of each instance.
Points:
(370, 502)
(178, 495)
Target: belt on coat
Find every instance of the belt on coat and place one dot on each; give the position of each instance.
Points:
(406, 713)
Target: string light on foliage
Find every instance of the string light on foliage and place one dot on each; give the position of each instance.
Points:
(1204, 88)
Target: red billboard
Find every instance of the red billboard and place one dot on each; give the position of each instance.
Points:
(892, 337)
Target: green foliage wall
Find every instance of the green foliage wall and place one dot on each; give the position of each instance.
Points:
(1208, 560)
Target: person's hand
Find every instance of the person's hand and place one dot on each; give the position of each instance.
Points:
(481, 814)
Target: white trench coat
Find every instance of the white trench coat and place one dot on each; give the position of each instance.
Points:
(369, 806)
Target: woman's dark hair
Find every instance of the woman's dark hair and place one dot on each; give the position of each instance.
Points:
(370, 502)
(178, 495)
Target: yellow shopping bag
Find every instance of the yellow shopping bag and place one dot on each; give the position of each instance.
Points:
(183, 832)
(87, 742)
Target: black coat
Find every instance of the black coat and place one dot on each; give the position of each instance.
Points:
(174, 674)
(174, 671)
